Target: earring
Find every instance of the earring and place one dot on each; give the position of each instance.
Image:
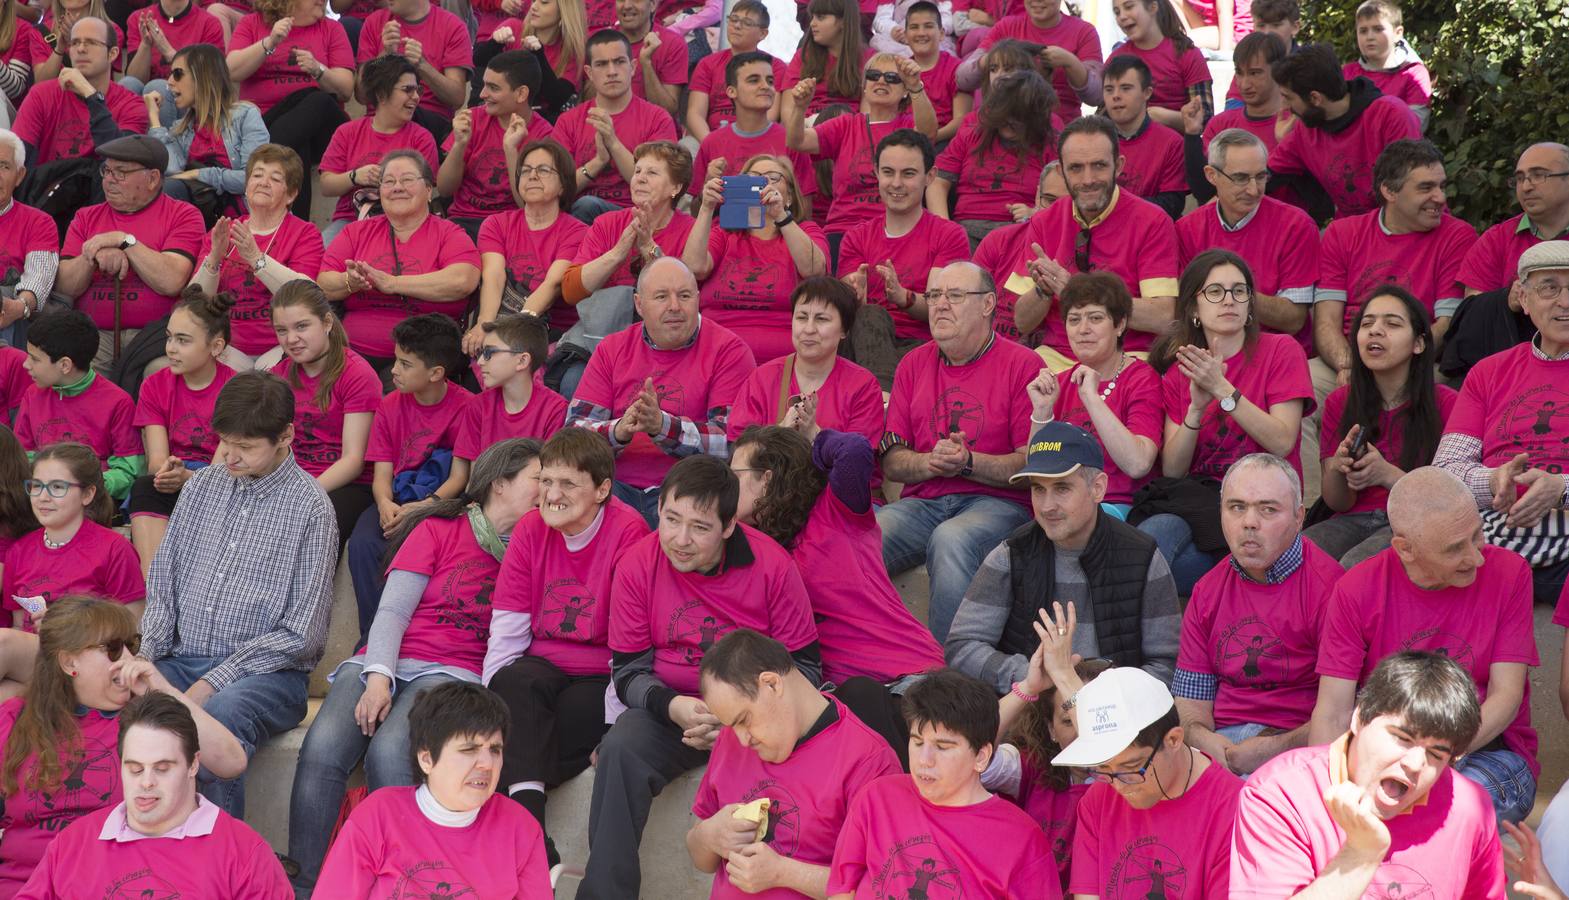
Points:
(1196, 322)
(73, 673)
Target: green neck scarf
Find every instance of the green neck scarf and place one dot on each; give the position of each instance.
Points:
(485, 533)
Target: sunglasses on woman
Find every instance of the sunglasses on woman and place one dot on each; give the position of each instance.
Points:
(887, 77)
(115, 647)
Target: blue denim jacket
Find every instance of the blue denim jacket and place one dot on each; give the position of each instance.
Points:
(245, 133)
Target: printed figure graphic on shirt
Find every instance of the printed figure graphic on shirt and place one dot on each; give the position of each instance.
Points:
(784, 816)
(1443, 643)
(921, 870)
(458, 610)
(704, 632)
(58, 431)
(432, 880)
(141, 885)
(566, 601)
(747, 285)
(958, 410)
(1397, 882)
(95, 758)
(1148, 860)
(1526, 425)
(1253, 639)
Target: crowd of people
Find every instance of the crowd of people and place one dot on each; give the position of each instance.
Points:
(626, 374)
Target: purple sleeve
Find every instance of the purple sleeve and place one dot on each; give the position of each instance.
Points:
(847, 459)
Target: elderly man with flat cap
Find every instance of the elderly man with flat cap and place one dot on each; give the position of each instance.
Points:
(1117, 584)
(125, 260)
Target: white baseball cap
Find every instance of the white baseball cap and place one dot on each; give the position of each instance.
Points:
(1112, 710)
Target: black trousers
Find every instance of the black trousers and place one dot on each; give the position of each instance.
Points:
(880, 710)
(347, 504)
(557, 720)
(305, 121)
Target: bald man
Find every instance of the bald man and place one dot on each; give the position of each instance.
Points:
(1440, 588)
(1541, 186)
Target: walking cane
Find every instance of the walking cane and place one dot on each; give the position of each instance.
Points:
(119, 293)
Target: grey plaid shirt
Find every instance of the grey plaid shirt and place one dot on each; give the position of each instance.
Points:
(245, 573)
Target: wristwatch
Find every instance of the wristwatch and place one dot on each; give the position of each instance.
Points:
(129, 242)
(969, 466)
(788, 218)
(261, 263)
(1229, 404)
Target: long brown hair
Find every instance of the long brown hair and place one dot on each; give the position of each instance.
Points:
(87, 471)
(46, 728)
(215, 91)
(16, 512)
(1187, 330)
(845, 79)
(8, 26)
(1022, 101)
(796, 484)
(1170, 24)
(1030, 734)
(305, 293)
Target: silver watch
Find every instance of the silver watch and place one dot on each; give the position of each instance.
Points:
(261, 263)
(129, 242)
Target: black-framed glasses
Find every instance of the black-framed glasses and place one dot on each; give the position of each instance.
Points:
(176, 73)
(1243, 179)
(954, 296)
(115, 647)
(887, 77)
(485, 353)
(770, 177)
(57, 488)
(87, 42)
(1534, 178)
(1215, 293)
(735, 21)
(118, 174)
(1134, 777)
(542, 171)
(1081, 250)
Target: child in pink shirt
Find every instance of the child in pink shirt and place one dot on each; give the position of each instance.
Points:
(14, 380)
(1388, 61)
(514, 403)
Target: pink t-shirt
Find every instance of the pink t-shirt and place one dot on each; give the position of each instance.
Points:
(528, 253)
(1514, 403)
(194, 26)
(1241, 17)
(442, 36)
(1263, 129)
(1342, 162)
(388, 848)
(668, 60)
(1390, 437)
(24, 230)
(566, 592)
(1280, 245)
(849, 400)
(97, 562)
(863, 624)
(1260, 640)
(318, 433)
(1071, 33)
(941, 86)
(1136, 401)
(99, 417)
(699, 383)
(1444, 848)
(748, 290)
(736, 148)
(28, 46)
(358, 143)
(32, 819)
(1358, 256)
(486, 420)
(933, 243)
(167, 401)
(1173, 76)
(230, 860)
(1274, 370)
(296, 245)
(1375, 610)
(988, 182)
(984, 398)
(680, 615)
(56, 123)
(436, 244)
(486, 186)
(278, 76)
(14, 380)
(822, 97)
(405, 433)
(607, 230)
(1154, 161)
(895, 843)
(1410, 83)
(851, 142)
(166, 225)
(1136, 241)
(1056, 812)
(1493, 261)
(810, 791)
(997, 253)
(639, 123)
(207, 148)
(708, 77)
(1177, 848)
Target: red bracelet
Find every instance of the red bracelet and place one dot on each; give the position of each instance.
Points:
(1027, 698)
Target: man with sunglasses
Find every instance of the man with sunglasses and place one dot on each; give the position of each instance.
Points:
(126, 260)
(65, 118)
(1157, 821)
(1103, 229)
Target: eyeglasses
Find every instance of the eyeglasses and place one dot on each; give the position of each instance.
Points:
(407, 182)
(887, 77)
(770, 177)
(485, 353)
(118, 174)
(57, 488)
(954, 296)
(740, 22)
(1534, 178)
(541, 171)
(1081, 250)
(1547, 290)
(115, 647)
(1215, 293)
(1134, 777)
(84, 43)
(1243, 179)
(176, 73)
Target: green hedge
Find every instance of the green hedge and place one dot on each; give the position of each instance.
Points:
(1500, 72)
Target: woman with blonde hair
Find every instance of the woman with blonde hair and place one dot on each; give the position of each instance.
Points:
(215, 135)
(556, 31)
(22, 51)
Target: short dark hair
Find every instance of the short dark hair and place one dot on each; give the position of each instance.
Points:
(830, 290)
(1395, 164)
(908, 137)
(434, 339)
(582, 449)
(519, 68)
(523, 333)
(161, 712)
(1097, 289)
(1089, 125)
(705, 480)
(1154, 733)
(1430, 693)
(453, 709)
(211, 311)
(253, 405)
(757, 8)
(602, 37)
(953, 700)
(65, 334)
(1118, 66)
(923, 6)
(1266, 44)
(743, 655)
(733, 67)
(1314, 67)
(560, 160)
(1274, 12)
(379, 77)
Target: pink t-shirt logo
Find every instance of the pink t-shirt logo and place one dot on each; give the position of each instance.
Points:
(414, 448)
(1215, 458)
(784, 816)
(567, 600)
(694, 625)
(466, 597)
(1444, 643)
(958, 410)
(194, 429)
(58, 430)
(747, 285)
(920, 870)
(1527, 424)
(1355, 180)
(670, 393)
(141, 883)
(1260, 649)
(96, 766)
(432, 878)
(1148, 869)
(1396, 882)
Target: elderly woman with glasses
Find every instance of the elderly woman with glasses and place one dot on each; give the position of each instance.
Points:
(404, 262)
(60, 760)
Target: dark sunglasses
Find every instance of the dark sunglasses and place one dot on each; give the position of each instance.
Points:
(1081, 250)
(887, 77)
(176, 73)
(115, 647)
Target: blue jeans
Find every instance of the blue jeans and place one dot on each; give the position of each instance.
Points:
(1505, 777)
(1175, 540)
(365, 549)
(587, 207)
(645, 502)
(253, 708)
(333, 747)
(952, 534)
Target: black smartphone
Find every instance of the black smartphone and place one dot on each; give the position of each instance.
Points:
(1359, 446)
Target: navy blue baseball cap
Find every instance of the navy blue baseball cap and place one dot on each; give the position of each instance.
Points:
(1058, 449)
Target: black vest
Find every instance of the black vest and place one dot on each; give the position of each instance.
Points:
(1116, 563)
